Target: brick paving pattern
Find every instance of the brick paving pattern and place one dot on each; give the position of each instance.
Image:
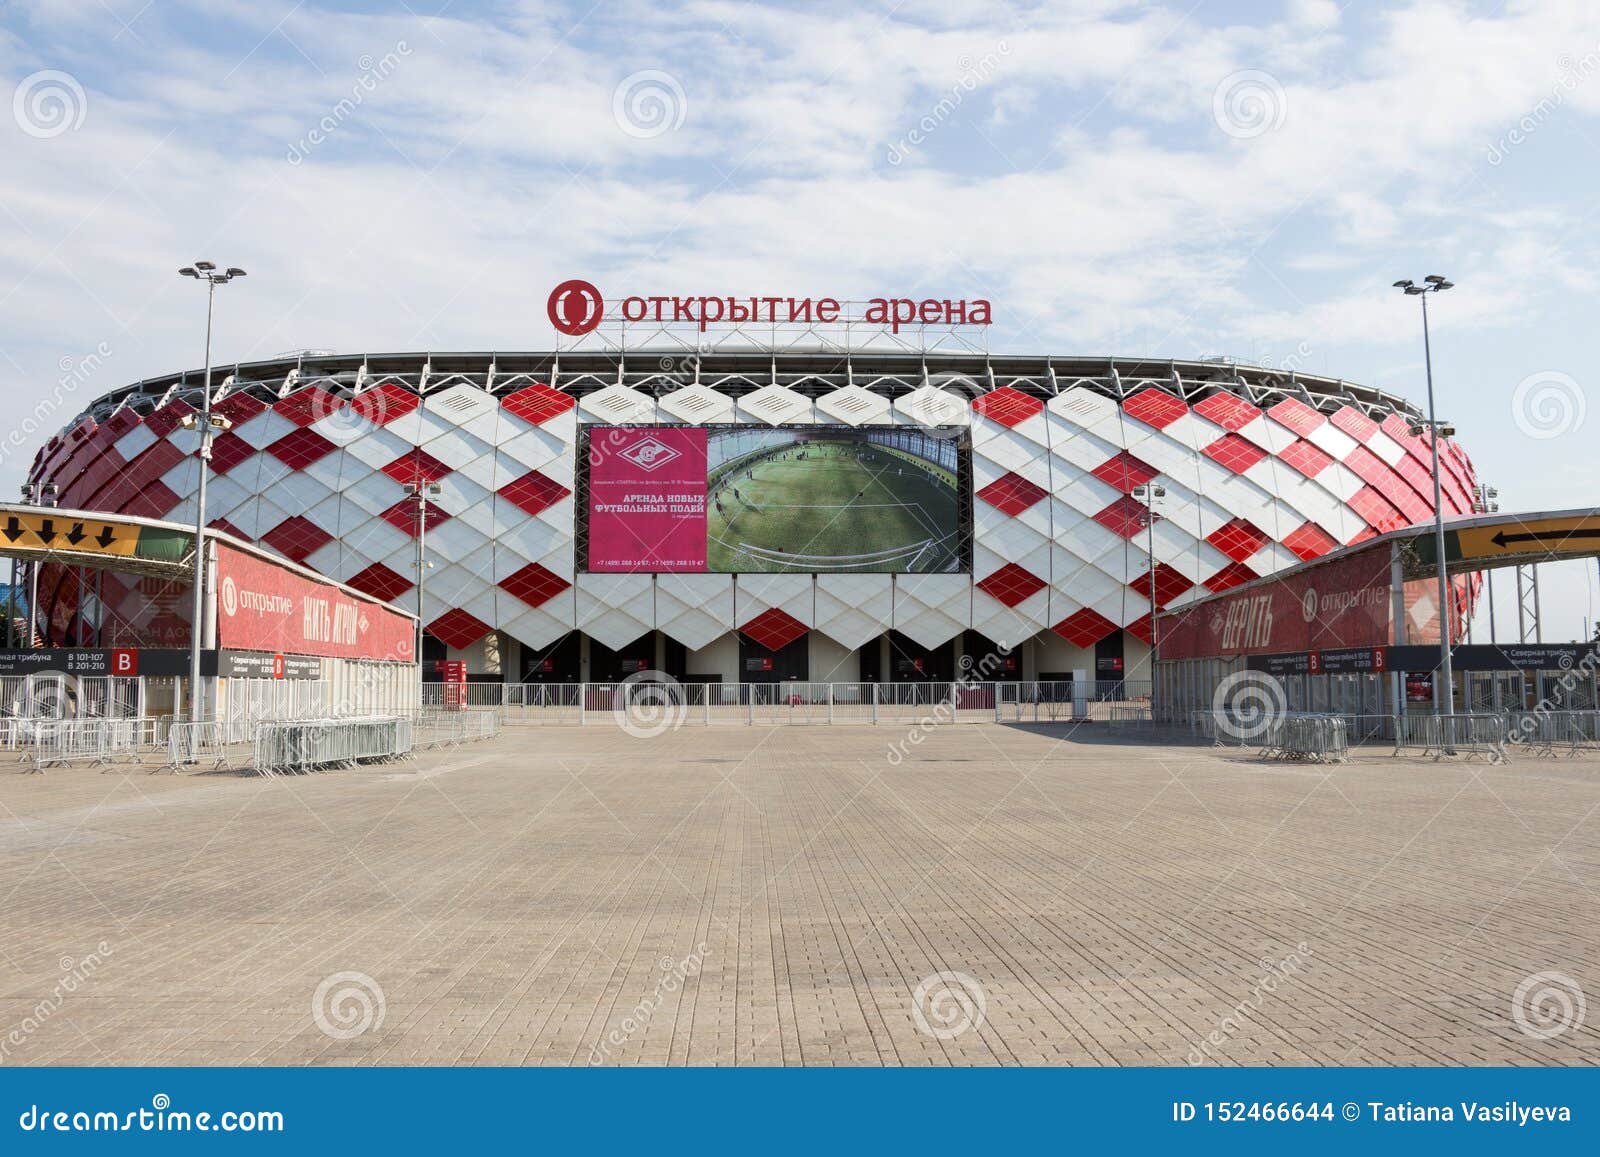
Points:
(783, 896)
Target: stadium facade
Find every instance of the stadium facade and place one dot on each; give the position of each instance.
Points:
(1039, 568)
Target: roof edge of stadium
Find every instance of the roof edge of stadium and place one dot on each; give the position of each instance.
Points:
(1044, 374)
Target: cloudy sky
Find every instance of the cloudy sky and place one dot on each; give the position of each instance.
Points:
(1189, 180)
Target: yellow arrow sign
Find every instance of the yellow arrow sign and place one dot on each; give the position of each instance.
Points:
(1578, 535)
(81, 536)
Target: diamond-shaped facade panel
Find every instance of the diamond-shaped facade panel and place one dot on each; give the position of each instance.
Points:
(1011, 584)
(774, 629)
(1084, 628)
(456, 628)
(534, 584)
(417, 466)
(533, 492)
(537, 403)
(1125, 471)
(296, 537)
(1011, 493)
(380, 582)
(1008, 406)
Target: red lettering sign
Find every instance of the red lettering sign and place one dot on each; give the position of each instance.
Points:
(124, 661)
(576, 308)
(262, 606)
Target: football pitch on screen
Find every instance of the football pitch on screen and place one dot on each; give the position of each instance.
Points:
(825, 506)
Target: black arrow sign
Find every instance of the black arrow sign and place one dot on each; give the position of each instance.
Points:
(76, 535)
(13, 530)
(105, 537)
(47, 531)
(1503, 540)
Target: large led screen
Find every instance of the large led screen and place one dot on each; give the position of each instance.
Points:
(762, 499)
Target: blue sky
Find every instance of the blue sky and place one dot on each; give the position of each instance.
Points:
(1173, 181)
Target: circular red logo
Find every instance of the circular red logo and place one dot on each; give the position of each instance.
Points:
(575, 307)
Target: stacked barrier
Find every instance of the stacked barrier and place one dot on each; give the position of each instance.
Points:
(1312, 738)
(310, 744)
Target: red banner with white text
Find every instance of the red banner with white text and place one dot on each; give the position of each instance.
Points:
(265, 607)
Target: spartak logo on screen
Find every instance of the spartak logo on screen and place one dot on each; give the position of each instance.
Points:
(649, 453)
(575, 307)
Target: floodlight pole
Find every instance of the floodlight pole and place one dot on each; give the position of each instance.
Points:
(203, 271)
(1446, 672)
(1152, 493)
(197, 621)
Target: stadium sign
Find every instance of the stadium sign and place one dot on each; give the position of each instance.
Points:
(576, 308)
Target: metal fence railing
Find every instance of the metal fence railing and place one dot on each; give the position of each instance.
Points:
(309, 744)
(753, 704)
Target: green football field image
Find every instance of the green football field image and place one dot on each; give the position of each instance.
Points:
(832, 506)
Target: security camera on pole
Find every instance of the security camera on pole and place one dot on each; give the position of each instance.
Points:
(209, 425)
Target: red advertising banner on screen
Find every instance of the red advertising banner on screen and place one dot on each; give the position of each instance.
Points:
(1344, 603)
(265, 607)
(647, 499)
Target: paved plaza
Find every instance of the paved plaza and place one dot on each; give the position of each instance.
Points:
(794, 895)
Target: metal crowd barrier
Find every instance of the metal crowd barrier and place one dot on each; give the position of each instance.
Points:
(309, 744)
(192, 744)
(1475, 733)
(1311, 737)
(59, 742)
(436, 728)
(1548, 732)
